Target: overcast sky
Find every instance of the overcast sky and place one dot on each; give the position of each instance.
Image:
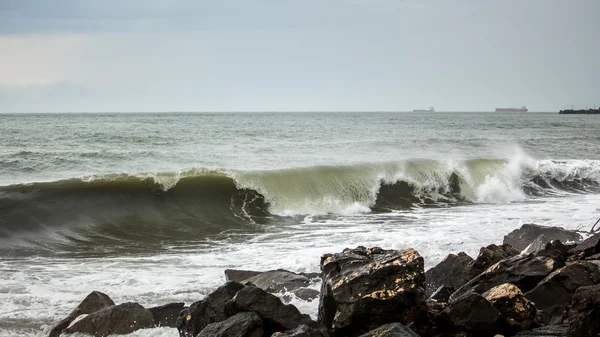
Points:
(292, 55)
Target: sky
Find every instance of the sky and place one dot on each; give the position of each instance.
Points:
(289, 55)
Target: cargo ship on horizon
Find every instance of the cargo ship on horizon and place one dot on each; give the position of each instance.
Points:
(521, 109)
(431, 109)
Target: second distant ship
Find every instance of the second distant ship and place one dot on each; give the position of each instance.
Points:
(421, 110)
(521, 109)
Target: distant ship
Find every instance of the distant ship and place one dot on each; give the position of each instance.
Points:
(521, 109)
(430, 110)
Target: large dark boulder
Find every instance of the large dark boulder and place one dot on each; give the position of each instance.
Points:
(487, 257)
(520, 238)
(275, 315)
(391, 330)
(277, 281)
(93, 302)
(588, 247)
(518, 313)
(545, 331)
(558, 287)
(244, 324)
(209, 310)
(239, 276)
(166, 315)
(471, 313)
(118, 319)
(584, 316)
(523, 271)
(442, 294)
(303, 331)
(364, 288)
(449, 272)
(554, 249)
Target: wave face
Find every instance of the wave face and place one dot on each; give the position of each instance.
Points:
(198, 203)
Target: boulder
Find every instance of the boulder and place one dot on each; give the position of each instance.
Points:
(239, 276)
(302, 331)
(518, 313)
(523, 271)
(93, 302)
(279, 280)
(584, 315)
(472, 313)
(243, 324)
(209, 310)
(552, 316)
(363, 289)
(558, 287)
(166, 315)
(545, 331)
(520, 238)
(275, 315)
(442, 294)
(391, 330)
(487, 257)
(450, 272)
(588, 247)
(554, 249)
(117, 319)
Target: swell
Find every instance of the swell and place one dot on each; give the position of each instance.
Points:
(149, 208)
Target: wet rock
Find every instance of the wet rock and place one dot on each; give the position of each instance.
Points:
(117, 319)
(555, 250)
(520, 238)
(244, 324)
(584, 315)
(472, 313)
(302, 331)
(487, 257)
(279, 280)
(209, 310)
(442, 294)
(166, 315)
(553, 315)
(546, 331)
(240, 276)
(518, 313)
(275, 315)
(93, 302)
(593, 257)
(558, 287)
(364, 288)
(588, 247)
(523, 271)
(450, 272)
(305, 294)
(391, 330)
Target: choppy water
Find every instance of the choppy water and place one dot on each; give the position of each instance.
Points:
(153, 207)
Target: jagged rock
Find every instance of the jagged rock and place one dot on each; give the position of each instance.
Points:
(166, 315)
(93, 302)
(449, 272)
(364, 288)
(472, 313)
(536, 245)
(243, 324)
(209, 310)
(584, 315)
(523, 271)
(554, 249)
(391, 330)
(517, 311)
(520, 238)
(546, 331)
(487, 257)
(593, 257)
(552, 316)
(275, 315)
(442, 294)
(302, 331)
(558, 287)
(588, 247)
(278, 280)
(117, 319)
(240, 276)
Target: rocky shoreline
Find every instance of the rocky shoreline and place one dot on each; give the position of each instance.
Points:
(542, 281)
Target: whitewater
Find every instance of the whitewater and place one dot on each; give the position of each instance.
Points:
(153, 207)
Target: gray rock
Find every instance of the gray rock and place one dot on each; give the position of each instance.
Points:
(243, 324)
(589, 247)
(166, 315)
(584, 315)
(472, 313)
(91, 303)
(487, 257)
(118, 319)
(524, 236)
(450, 272)
(302, 331)
(546, 331)
(239, 276)
(391, 330)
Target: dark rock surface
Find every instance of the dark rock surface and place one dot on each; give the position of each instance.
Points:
(442, 294)
(303, 331)
(209, 310)
(117, 319)
(239, 276)
(554, 249)
(166, 315)
(518, 313)
(546, 331)
(520, 238)
(244, 324)
(523, 271)
(588, 247)
(553, 315)
(449, 272)
(558, 287)
(278, 280)
(584, 315)
(391, 330)
(93, 302)
(487, 257)
(472, 313)
(364, 288)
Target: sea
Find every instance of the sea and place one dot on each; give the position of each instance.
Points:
(153, 207)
